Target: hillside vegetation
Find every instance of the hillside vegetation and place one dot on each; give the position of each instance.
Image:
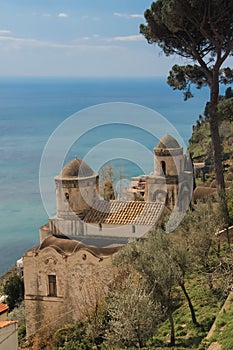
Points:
(200, 141)
(167, 294)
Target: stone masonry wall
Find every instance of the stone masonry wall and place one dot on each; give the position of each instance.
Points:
(82, 280)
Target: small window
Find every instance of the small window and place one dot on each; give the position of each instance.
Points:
(67, 196)
(133, 228)
(52, 285)
(163, 165)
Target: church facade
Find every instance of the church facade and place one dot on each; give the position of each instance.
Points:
(64, 280)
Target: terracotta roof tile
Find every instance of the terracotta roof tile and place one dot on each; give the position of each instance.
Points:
(125, 213)
(3, 308)
(6, 323)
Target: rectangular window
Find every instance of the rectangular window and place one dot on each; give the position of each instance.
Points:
(52, 285)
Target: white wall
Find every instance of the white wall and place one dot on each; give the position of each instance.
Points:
(123, 231)
(8, 336)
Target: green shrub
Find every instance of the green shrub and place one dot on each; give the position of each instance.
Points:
(14, 289)
(22, 333)
(72, 337)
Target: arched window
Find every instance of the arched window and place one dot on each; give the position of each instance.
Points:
(163, 166)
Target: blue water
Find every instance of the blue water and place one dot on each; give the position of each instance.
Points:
(31, 109)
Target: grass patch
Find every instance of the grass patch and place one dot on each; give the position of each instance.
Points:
(223, 333)
(188, 336)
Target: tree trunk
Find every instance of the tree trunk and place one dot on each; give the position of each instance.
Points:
(189, 304)
(172, 335)
(217, 149)
(209, 276)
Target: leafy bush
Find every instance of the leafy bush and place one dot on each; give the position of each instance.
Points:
(22, 333)
(14, 289)
(72, 337)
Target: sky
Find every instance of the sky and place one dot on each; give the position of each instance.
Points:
(79, 38)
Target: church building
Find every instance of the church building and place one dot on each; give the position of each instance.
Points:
(64, 275)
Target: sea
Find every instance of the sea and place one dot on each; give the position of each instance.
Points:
(33, 109)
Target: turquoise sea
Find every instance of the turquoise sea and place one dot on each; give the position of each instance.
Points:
(32, 108)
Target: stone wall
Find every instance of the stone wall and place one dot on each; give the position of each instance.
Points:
(81, 281)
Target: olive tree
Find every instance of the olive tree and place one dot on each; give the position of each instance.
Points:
(151, 258)
(133, 314)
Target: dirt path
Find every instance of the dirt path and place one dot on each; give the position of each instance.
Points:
(226, 305)
(215, 346)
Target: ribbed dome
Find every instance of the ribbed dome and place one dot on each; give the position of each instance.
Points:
(168, 142)
(77, 168)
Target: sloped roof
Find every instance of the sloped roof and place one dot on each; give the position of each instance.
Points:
(6, 323)
(168, 142)
(3, 308)
(76, 168)
(125, 213)
(67, 246)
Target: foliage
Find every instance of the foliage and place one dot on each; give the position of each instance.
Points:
(22, 333)
(72, 337)
(207, 265)
(228, 93)
(207, 304)
(152, 271)
(14, 289)
(210, 253)
(225, 109)
(133, 314)
(190, 28)
(230, 203)
(194, 29)
(182, 77)
(18, 313)
(200, 143)
(223, 333)
(43, 340)
(86, 334)
(106, 182)
(152, 258)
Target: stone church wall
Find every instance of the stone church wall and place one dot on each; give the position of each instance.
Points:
(81, 281)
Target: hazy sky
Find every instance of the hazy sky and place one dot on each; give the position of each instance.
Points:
(77, 38)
